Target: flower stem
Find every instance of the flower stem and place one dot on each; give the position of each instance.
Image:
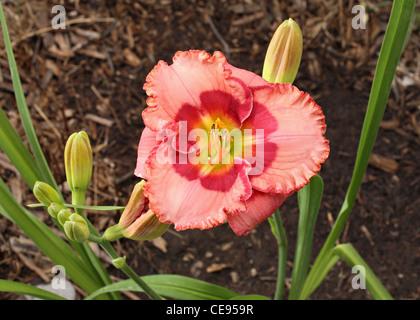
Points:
(78, 198)
(106, 245)
(282, 255)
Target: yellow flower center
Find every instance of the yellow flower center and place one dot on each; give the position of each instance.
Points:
(219, 143)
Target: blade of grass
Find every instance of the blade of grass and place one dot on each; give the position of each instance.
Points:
(396, 32)
(250, 297)
(280, 233)
(23, 108)
(309, 198)
(21, 288)
(173, 286)
(18, 154)
(349, 254)
(83, 249)
(94, 208)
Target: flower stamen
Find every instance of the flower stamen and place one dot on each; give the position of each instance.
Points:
(219, 143)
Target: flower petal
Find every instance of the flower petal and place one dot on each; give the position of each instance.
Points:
(251, 79)
(148, 141)
(176, 91)
(294, 143)
(260, 206)
(201, 196)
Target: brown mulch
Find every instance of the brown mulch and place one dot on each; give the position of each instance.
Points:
(89, 77)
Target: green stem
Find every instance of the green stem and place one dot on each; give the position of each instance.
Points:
(106, 245)
(282, 254)
(78, 198)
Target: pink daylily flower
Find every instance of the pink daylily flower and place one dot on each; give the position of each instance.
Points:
(203, 91)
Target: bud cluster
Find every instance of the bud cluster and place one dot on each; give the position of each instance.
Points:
(74, 225)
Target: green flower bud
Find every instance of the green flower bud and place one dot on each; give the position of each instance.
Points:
(78, 160)
(76, 228)
(63, 216)
(55, 208)
(45, 193)
(284, 53)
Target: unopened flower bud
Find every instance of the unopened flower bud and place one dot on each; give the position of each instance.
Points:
(284, 53)
(45, 193)
(78, 161)
(136, 204)
(137, 222)
(63, 216)
(55, 208)
(76, 228)
(146, 227)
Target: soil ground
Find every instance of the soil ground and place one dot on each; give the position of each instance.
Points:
(90, 76)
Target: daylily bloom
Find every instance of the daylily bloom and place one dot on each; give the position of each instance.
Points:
(262, 143)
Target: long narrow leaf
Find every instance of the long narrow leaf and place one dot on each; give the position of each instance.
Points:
(309, 199)
(18, 154)
(87, 254)
(310, 286)
(251, 297)
(95, 208)
(393, 43)
(21, 288)
(173, 286)
(349, 254)
(279, 232)
(23, 108)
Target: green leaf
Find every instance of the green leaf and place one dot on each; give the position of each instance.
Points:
(17, 153)
(251, 297)
(273, 229)
(172, 286)
(280, 233)
(312, 283)
(309, 199)
(349, 254)
(21, 288)
(393, 43)
(68, 205)
(23, 108)
(24, 164)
